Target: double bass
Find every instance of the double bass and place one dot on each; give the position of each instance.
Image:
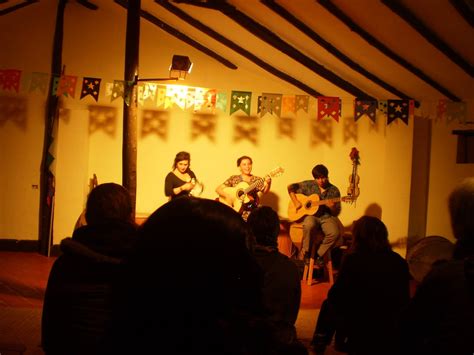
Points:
(353, 189)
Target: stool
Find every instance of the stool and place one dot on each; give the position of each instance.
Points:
(328, 266)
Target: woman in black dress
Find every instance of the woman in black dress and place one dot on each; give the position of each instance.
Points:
(181, 180)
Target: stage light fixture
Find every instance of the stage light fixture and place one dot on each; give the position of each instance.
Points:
(180, 66)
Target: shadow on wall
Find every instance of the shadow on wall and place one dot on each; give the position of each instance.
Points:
(270, 199)
(13, 109)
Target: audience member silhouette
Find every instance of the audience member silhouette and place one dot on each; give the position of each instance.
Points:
(77, 305)
(365, 301)
(440, 317)
(192, 287)
(281, 284)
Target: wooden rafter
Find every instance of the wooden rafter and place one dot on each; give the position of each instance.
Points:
(272, 5)
(17, 6)
(410, 18)
(269, 37)
(338, 13)
(245, 53)
(174, 32)
(465, 10)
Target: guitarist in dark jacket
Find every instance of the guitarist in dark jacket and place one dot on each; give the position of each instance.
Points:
(325, 217)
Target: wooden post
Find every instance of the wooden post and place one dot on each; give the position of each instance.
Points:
(47, 178)
(129, 143)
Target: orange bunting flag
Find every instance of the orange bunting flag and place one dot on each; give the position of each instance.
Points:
(288, 104)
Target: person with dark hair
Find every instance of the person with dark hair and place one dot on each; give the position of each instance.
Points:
(206, 302)
(181, 180)
(440, 316)
(324, 218)
(228, 189)
(365, 301)
(281, 283)
(77, 304)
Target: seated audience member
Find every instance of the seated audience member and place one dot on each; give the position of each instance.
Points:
(365, 301)
(191, 286)
(77, 304)
(281, 283)
(440, 317)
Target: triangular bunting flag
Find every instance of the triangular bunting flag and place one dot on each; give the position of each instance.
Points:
(39, 81)
(240, 100)
(91, 86)
(456, 111)
(441, 108)
(221, 101)
(397, 109)
(67, 86)
(10, 79)
(288, 104)
(329, 107)
(270, 103)
(382, 106)
(210, 98)
(302, 102)
(365, 107)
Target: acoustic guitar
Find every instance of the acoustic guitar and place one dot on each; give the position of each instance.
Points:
(310, 205)
(240, 193)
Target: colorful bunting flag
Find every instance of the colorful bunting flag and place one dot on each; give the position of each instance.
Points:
(270, 103)
(397, 109)
(39, 81)
(441, 108)
(240, 100)
(210, 99)
(221, 101)
(10, 79)
(91, 86)
(288, 104)
(161, 96)
(365, 107)
(456, 111)
(118, 89)
(329, 107)
(383, 106)
(66, 86)
(302, 102)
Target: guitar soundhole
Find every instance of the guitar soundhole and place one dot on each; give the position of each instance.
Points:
(308, 204)
(240, 193)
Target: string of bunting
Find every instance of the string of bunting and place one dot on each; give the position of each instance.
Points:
(200, 99)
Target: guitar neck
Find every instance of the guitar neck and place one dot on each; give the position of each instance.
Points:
(324, 202)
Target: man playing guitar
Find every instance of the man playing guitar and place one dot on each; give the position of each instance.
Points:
(325, 217)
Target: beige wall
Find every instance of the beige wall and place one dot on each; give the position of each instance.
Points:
(94, 46)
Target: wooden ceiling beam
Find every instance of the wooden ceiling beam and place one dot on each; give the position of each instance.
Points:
(245, 53)
(270, 38)
(464, 10)
(285, 14)
(417, 24)
(17, 6)
(338, 13)
(174, 32)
